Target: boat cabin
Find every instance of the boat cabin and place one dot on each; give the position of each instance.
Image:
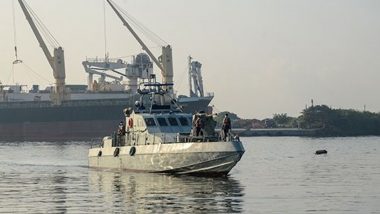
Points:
(156, 119)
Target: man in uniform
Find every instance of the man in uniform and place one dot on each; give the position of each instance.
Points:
(226, 126)
(198, 126)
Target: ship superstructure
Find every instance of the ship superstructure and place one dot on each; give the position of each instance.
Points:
(140, 69)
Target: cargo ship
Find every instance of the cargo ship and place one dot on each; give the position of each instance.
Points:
(83, 112)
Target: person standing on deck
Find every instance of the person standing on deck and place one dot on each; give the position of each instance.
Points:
(226, 126)
(120, 133)
(121, 129)
(198, 126)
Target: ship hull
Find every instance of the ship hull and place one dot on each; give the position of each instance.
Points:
(200, 158)
(57, 130)
(74, 120)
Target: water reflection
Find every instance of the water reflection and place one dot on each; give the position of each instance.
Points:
(58, 190)
(138, 192)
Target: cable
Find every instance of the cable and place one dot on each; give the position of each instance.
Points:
(40, 76)
(36, 21)
(13, 71)
(14, 28)
(181, 79)
(105, 29)
(153, 37)
(11, 74)
(159, 40)
(43, 29)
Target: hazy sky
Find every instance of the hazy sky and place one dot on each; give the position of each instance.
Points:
(259, 57)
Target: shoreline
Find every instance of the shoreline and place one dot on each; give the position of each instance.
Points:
(290, 132)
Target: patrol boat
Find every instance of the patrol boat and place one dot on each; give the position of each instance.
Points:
(158, 138)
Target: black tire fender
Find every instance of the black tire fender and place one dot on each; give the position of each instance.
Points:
(132, 151)
(116, 152)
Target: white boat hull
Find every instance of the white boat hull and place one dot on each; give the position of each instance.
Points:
(211, 158)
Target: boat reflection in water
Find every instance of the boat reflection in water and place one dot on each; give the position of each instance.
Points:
(121, 191)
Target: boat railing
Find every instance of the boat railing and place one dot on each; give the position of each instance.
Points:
(105, 60)
(134, 138)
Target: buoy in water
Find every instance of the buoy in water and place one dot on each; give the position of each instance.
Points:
(319, 152)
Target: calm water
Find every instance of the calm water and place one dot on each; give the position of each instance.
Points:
(276, 175)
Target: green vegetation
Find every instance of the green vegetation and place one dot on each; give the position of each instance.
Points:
(278, 121)
(340, 122)
(325, 120)
(284, 121)
(234, 119)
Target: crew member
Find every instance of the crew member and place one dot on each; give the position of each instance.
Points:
(120, 133)
(198, 126)
(226, 126)
(121, 129)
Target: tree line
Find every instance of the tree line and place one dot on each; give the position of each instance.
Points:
(325, 120)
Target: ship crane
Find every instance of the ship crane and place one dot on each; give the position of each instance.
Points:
(98, 67)
(164, 62)
(140, 68)
(56, 61)
(195, 78)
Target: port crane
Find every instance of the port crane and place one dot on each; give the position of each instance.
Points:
(164, 62)
(56, 61)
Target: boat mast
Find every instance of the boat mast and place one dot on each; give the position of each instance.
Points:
(56, 61)
(164, 62)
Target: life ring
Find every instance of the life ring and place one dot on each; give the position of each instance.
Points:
(132, 151)
(99, 153)
(116, 152)
(130, 122)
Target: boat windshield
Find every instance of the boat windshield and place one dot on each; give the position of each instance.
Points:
(168, 123)
(183, 121)
(150, 122)
(161, 121)
(173, 121)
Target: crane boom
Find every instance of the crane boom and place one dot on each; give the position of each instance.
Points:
(126, 24)
(37, 33)
(164, 63)
(56, 62)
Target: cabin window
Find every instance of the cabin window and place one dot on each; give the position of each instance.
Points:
(162, 121)
(173, 121)
(183, 121)
(150, 122)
